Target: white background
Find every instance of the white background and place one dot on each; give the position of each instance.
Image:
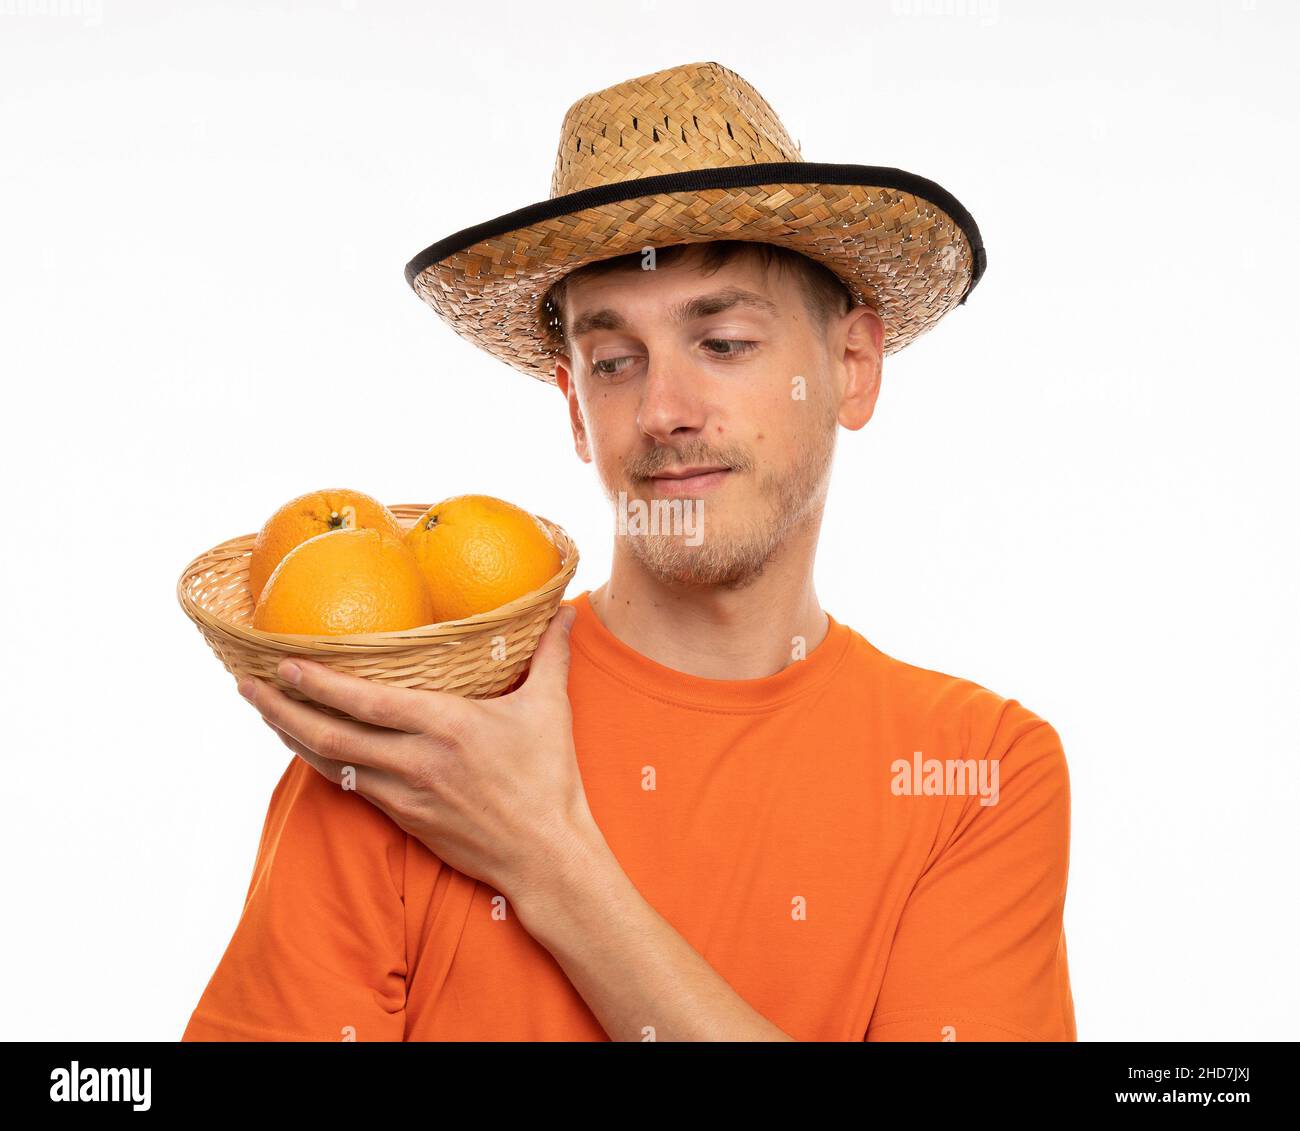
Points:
(1079, 490)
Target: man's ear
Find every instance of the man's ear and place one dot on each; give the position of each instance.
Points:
(564, 382)
(864, 340)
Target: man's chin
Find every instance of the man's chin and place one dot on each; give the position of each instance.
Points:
(675, 559)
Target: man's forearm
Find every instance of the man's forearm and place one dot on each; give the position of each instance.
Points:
(641, 979)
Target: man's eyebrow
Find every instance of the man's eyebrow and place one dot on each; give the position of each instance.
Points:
(701, 306)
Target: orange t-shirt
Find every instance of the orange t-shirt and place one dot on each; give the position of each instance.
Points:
(813, 834)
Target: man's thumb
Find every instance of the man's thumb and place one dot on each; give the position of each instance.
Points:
(550, 662)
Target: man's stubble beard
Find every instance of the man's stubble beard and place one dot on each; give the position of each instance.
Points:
(734, 559)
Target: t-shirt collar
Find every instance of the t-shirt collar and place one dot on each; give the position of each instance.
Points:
(592, 639)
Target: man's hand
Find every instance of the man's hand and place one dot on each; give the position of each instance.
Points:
(491, 786)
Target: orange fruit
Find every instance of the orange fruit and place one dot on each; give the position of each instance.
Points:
(479, 553)
(357, 580)
(316, 512)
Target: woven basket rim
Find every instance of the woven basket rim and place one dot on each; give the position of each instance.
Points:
(376, 641)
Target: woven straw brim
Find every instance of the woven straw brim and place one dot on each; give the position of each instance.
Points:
(477, 657)
(901, 244)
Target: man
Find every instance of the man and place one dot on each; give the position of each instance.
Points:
(712, 811)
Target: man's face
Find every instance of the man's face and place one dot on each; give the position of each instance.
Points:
(674, 370)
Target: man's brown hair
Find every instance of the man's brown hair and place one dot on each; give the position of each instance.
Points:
(824, 295)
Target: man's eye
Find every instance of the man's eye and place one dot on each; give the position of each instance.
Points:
(738, 346)
(597, 371)
(735, 347)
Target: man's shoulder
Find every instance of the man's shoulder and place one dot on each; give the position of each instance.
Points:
(913, 692)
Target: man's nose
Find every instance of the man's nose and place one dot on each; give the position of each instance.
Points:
(672, 398)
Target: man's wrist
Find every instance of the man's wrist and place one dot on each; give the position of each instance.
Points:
(560, 889)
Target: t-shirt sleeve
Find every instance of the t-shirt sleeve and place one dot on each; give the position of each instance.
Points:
(979, 954)
(319, 952)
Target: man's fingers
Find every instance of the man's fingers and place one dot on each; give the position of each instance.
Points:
(375, 785)
(331, 771)
(380, 704)
(336, 740)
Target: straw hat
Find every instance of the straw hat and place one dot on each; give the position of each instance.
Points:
(685, 155)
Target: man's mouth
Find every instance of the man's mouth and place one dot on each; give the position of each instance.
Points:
(689, 480)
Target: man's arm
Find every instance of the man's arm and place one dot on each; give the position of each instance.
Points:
(979, 952)
(640, 978)
(319, 953)
(469, 780)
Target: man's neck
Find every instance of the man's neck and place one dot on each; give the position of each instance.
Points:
(712, 631)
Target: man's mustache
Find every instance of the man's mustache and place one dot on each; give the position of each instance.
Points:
(664, 459)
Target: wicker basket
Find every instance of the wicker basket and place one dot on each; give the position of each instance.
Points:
(478, 657)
